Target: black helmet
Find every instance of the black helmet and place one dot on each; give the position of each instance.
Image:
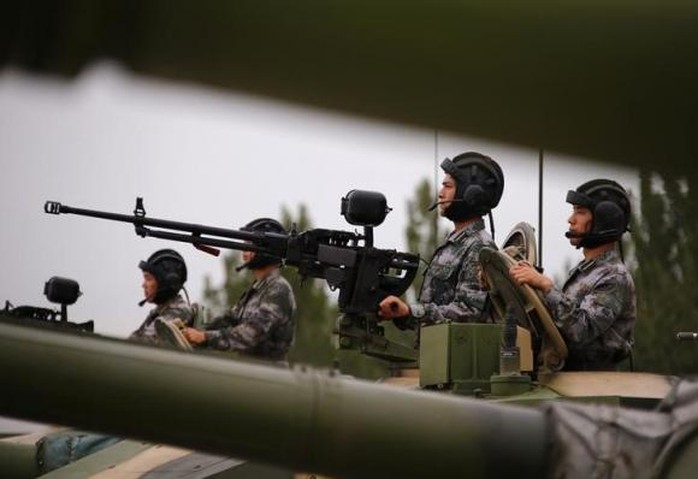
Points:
(610, 209)
(168, 268)
(265, 225)
(479, 185)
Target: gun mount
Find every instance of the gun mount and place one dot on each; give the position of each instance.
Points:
(347, 261)
(57, 290)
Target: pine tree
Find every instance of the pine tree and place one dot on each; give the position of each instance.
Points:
(316, 315)
(665, 241)
(218, 299)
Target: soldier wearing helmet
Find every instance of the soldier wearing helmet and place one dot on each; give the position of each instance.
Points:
(452, 292)
(595, 309)
(261, 324)
(164, 275)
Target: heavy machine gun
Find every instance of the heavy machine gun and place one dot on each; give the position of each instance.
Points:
(348, 261)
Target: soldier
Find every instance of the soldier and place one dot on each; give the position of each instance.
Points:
(164, 274)
(595, 309)
(261, 324)
(451, 291)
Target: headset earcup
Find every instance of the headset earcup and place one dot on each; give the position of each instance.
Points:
(474, 195)
(486, 177)
(171, 257)
(608, 218)
(172, 278)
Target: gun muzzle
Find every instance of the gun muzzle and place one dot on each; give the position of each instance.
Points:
(686, 336)
(52, 207)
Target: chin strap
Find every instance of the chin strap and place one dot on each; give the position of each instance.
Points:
(620, 250)
(491, 224)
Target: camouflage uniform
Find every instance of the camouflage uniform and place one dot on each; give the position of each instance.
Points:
(261, 324)
(175, 308)
(595, 312)
(451, 291)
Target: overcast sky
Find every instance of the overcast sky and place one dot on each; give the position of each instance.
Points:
(212, 157)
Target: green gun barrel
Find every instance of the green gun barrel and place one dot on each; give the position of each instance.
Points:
(300, 419)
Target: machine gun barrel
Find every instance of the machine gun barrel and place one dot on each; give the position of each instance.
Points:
(364, 275)
(247, 240)
(687, 336)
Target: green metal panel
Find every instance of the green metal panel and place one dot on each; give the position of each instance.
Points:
(460, 356)
(434, 355)
(508, 385)
(474, 355)
(17, 461)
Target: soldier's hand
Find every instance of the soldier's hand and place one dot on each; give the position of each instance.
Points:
(523, 273)
(393, 307)
(482, 278)
(194, 336)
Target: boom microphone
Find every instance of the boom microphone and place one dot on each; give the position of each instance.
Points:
(574, 234)
(432, 207)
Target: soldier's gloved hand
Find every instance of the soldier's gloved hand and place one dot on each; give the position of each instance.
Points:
(393, 307)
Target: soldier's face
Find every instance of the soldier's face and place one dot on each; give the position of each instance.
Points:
(580, 222)
(247, 256)
(150, 286)
(446, 193)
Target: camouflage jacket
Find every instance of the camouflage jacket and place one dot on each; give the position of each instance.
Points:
(595, 312)
(451, 291)
(175, 308)
(261, 324)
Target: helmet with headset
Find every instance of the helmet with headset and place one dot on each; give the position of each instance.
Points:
(265, 225)
(169, 270)
(479, 185)
(610, 209)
